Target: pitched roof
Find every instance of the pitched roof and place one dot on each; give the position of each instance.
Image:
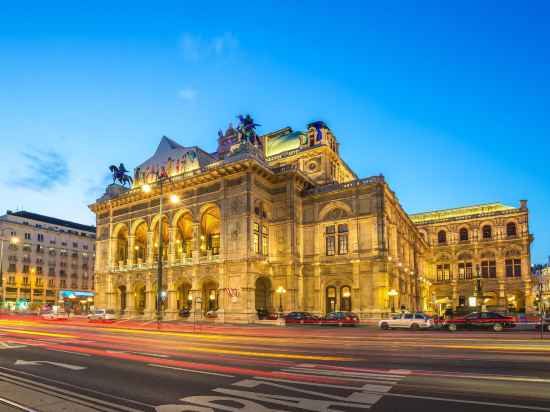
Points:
(52, 220)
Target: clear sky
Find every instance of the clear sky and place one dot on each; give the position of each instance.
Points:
(449, 102)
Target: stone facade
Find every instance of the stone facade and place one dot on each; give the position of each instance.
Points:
(43, 256)
(281, 224)
(480, 252)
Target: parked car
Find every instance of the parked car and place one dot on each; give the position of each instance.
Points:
(413, 321)
(301, 318)
(481, 320)
(184, 313)
(54, 315)
(102, 314)
(341, 319)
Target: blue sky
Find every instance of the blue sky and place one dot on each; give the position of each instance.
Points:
(449, 102)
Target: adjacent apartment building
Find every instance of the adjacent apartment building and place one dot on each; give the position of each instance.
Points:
(281, 222)
(46, 261)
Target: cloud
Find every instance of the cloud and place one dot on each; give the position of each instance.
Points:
(196, 48)
(44, 169)
(188, 94)
(96, 187)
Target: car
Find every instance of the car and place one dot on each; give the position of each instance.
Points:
(184, 312)
(54, 315)
(480, 320)
(545, 323)
(413, 321)
(300, 318)
(102, 314)
(341, 318)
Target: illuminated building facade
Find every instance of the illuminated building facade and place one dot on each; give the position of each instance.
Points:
(44, 257)
(479, 257)
(271, 222)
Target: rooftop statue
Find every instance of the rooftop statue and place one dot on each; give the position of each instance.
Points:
(247, 129)
(120, 174)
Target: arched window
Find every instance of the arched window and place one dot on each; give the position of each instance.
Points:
(140, 244)
(210, 232)
(442, 237)
(487, 232)
(342, 239)
(463, 234)
(511, 229)
(345, 298)
(184, 236)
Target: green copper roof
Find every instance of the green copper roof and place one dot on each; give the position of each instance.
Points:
(284, 143)
(459, 212)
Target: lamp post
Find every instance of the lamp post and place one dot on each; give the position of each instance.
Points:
(13, 240)
(478, 293)
(281, 290)
(393, 293)
(173, 199)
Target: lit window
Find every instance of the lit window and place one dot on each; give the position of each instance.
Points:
(465, 270)
(330, 240)
(443, 272)
(513, 267)
(342, 239)
(488, 269)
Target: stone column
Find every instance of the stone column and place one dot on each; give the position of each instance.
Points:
(196, 308)
(318, 294)
(130, 310)
(300, 286)
(131, 249)
(172, 306)
(150, 247)
(149, 297)
(195, 243)
(171, 245)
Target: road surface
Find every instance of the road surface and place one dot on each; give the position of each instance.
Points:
(78, 366)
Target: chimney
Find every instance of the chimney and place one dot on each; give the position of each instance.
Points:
(523, 204)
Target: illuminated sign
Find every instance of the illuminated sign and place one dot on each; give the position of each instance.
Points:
(73, 294)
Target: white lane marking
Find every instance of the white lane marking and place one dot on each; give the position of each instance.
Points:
(16, 405)
(190, 370)
(397, 372)
(6, 345)
(58, 364)
(96, 403)
(366, 387)
(68, 351)
(155, 355)
(345, 375)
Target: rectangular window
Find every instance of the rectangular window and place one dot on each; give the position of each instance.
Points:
(513, 267)
(25, 268)
(12, 268)
(51, 283)
(27, 236)
(330, 240)
(25, 280)
(488, 269)
(40, 237)
(11, 280)
(51, 271)
(443, 272)
(342, 239)
(465, 270)
(62, 284)
(39, 283)
(75, 245)
(39, 270)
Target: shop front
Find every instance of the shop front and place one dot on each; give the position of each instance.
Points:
(76, 302)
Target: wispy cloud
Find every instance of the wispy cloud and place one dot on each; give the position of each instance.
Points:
(43, 170)
(196, 48)
(187, 93)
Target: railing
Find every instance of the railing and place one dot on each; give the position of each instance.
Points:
(330, 187)
(185, 261)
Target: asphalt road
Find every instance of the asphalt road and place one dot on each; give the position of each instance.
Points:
(75, 366)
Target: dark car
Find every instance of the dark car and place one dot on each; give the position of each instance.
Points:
(341, 319)
(481, 320)
(184, 313)
(301, 318)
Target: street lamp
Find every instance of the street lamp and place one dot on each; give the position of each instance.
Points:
(13, 240)
(146, 188)
(478, 292)
(393, 293)
(280, 290)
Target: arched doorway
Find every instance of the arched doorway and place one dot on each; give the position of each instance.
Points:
(139, 296)
(210, 232)
(330, 299)
(121, 254)
(210, 298)
(140, 243)
(184, 297)
(165, 239)
(184, 236)
(263, 294)
(345, 298)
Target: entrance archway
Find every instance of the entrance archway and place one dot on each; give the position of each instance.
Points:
(210, 296)
(139, 296)
(330, 299)
(263, 294)
(183, 296)
(345, 298)
(122, 297)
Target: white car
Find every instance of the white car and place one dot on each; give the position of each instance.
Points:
(407, 321)
(102, 314)
(52, 315)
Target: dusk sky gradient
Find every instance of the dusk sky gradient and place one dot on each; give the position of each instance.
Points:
(449, 102)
